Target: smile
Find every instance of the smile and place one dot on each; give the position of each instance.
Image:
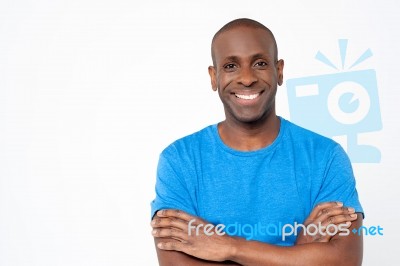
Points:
(247, 97)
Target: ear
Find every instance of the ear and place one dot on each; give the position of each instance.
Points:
(279, 68)
(213, 77)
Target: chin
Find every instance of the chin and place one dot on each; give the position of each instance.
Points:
(253, 118)
(249, 115)
(250, 119)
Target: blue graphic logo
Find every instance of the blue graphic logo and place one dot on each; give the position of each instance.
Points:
(344, 103)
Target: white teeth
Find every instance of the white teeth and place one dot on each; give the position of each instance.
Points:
(247, 97)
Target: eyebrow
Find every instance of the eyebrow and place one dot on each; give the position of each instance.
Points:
(253, 57)
(231, 58)
(259, 55)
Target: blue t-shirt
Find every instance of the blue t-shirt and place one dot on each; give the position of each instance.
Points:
(254, 193)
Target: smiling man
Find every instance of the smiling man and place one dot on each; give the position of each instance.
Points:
(228, 193)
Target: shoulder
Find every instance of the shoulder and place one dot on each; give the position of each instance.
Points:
(190, 143)
(301, 133)
(305, 140)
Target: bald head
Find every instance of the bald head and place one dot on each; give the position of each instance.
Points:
(242, 22)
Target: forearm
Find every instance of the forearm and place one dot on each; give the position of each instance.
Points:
(328, 253)
(176, 258)
(340, 250)
(172, 234)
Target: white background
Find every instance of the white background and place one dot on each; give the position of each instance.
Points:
(92, 91)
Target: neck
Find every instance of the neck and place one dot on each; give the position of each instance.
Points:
(249, 136)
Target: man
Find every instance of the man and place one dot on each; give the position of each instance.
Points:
(254, 170)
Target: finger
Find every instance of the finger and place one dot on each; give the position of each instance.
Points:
(332, 230)
(169, 223)
(331, 212)
(324, 238)
(336, 229)
(325, 230)
(170, 233)
(321, 206)
(331, 215)
(176, 214)
(170, 245)
(339, 219)
(336, 211)
(324, 233)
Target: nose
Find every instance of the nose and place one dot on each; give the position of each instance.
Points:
(247, 77)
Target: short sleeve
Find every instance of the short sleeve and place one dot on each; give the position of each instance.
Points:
(171, 184)
(339, 183)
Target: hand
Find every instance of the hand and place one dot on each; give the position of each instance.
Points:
(192, 235)
(323, 215)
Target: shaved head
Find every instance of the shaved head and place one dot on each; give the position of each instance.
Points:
(242, 22)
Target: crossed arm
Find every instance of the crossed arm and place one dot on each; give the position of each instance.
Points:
(176, 246)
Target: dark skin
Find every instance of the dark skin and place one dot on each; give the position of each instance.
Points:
(247, 67)
(246, 74)
(175, 246)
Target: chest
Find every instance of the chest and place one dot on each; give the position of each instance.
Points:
(254, 199)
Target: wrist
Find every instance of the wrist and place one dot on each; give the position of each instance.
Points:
(234, 248)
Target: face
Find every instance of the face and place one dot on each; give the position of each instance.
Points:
(246, 74)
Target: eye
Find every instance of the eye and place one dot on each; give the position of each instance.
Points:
(261, 64)
(230, 67)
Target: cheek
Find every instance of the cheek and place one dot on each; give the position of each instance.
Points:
(224, 80)
(269, 80)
